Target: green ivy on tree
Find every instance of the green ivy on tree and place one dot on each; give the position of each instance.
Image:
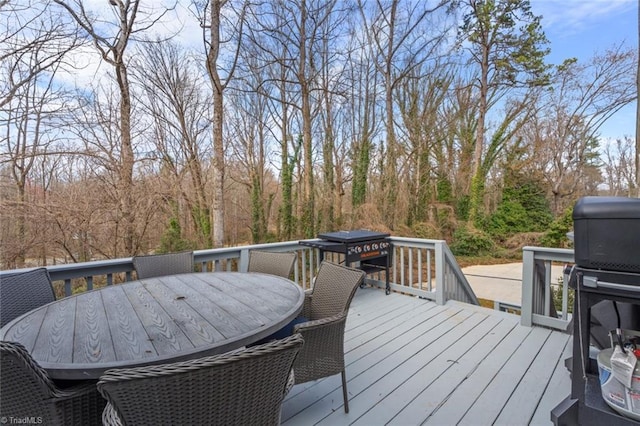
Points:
(171, 240)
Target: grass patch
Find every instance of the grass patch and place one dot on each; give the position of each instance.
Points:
(486, 303)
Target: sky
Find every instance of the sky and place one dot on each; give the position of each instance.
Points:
(574, 28)
(581, 28)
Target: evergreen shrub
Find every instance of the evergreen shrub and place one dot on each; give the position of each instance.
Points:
(469, 241)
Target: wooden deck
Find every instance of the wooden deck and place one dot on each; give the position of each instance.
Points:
(410, 362)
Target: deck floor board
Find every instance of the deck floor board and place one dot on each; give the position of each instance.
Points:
(410, 362)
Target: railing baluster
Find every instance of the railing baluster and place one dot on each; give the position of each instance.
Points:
(420, 269)
(410, 283)
(394, 275)
(304, 267)
(429, 283)
(547, 288)
(565, 296)
(402, 282)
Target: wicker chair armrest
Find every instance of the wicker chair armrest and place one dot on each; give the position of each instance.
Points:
(290, 382)
(110, 417)
(79, 404)
(323, 351)
(306, 306)
(322, 322)
(75, 391)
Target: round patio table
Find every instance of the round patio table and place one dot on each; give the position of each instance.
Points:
(154, 321)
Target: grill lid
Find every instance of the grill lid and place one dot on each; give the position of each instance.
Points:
(353, 236)
(595, 207)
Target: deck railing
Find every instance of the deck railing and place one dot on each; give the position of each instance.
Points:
(418, 268)
(538, 307)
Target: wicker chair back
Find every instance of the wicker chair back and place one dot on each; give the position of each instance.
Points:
(21, 292)
(333, 290)
(157, 265)
(239, 388)
(274, 263)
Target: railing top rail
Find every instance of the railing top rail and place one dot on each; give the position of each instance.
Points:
(123, 264)
(416, 242)
(548, 253)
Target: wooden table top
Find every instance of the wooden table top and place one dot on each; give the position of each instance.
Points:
(154, 321)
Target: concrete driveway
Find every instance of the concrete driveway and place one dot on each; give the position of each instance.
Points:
(500, 282)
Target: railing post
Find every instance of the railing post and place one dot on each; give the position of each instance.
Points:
(243, 264)
(526, 315)
(548, 302)
(440, 282)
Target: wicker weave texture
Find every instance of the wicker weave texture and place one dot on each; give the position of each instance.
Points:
(244, 387)
(273, 263)
(27, 392)
(327, 307)
(333, 290)
(21, 292)
(163, 264)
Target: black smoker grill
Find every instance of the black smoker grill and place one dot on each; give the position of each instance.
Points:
(372, 249)
(606, 280)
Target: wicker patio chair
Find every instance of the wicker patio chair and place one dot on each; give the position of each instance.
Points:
(21, 292)
(27, 391)
(157, 265)
(326, 307)
(243, 387)
(274, 263)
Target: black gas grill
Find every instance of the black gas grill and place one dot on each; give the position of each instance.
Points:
(606, 280)
(372, 250)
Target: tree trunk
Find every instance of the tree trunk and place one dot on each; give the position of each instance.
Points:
(218, 146)
(476, 191)
(390, 180)
(308, 207)
(329, 168)
(286, 209)
(125, 189)
(391, 173)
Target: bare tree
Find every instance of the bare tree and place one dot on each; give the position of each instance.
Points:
(219, 30)
(420, 101)
(247, 121)
(111, 40)
(399, 39)
(619, 167)
(362, 82)
(31, 120)
(292, 34)
(178, 107)
(270, 69)
(93, 126)
(34, 45)
(584, 96)
(31, 30)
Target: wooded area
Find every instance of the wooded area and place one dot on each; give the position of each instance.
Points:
(132, 126)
